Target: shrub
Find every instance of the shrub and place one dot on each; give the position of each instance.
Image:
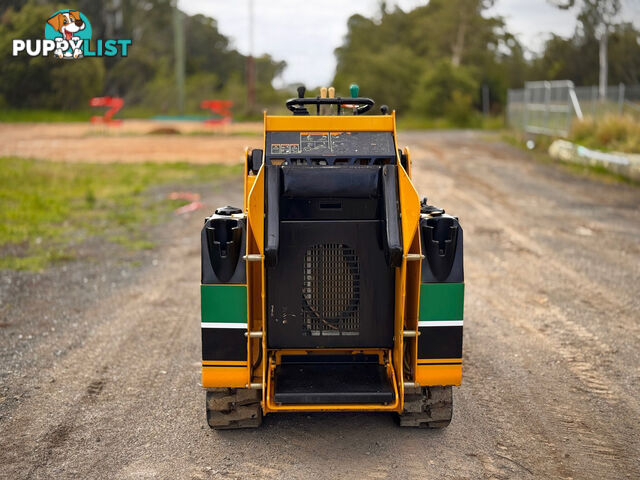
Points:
(446, 90)
(611, 132)
(583, 130)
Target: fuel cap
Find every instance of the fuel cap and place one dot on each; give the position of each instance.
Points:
(228, 210)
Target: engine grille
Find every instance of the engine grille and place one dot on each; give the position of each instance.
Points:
(331, 290)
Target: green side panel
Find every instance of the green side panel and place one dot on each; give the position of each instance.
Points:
(441, 301)
(224, 303)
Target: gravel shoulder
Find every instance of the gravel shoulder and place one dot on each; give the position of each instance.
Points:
(551, 383)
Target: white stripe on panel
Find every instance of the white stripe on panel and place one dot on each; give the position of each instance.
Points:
(223, 325)
(441, 323)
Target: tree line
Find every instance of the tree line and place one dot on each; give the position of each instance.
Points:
(146, 77)
(434, 60)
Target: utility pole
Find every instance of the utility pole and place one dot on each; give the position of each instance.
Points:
(601, 15)
(180, 65)
(485, 100)
(603, 61)
(251, 66)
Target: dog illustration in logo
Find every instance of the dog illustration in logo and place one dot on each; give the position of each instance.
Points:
(67, 24)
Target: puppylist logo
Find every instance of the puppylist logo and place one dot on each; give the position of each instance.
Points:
(68, 30)
(67, 34)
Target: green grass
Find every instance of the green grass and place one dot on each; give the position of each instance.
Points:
(127, 112)
(35, 115)
(47, 207)
(7, 115)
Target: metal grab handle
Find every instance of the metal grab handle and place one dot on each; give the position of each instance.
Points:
(293, 104)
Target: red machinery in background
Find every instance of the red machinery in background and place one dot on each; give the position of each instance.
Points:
(222, 108)
(114, 104)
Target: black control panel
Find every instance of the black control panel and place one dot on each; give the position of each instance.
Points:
(330, 144)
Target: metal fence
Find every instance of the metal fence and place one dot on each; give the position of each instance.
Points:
(549, 107)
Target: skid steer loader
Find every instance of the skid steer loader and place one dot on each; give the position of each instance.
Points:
(334, 288)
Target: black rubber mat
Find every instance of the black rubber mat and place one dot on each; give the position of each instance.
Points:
(332, 383)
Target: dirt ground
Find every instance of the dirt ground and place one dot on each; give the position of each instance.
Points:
(132, 141)
(99, 362)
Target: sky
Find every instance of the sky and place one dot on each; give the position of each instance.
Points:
(306, 33)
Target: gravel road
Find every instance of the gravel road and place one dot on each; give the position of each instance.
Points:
(99, 363)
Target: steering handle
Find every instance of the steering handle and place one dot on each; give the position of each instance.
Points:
(364, 104)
